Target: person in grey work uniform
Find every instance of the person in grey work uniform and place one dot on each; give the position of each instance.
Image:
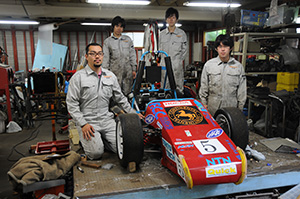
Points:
(88, 97)
(173, 41)
(120, 55)
(223, 81)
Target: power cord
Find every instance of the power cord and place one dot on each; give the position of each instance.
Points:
(32, 136)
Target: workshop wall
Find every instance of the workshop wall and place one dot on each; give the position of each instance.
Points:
(21, 53)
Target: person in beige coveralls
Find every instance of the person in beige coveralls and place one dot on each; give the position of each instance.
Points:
(120, 55)
(223, 81)
(88, 97)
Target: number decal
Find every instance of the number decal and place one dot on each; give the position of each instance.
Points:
(209, 146)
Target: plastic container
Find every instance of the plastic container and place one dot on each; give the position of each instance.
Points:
(288, 87)
(287, 78)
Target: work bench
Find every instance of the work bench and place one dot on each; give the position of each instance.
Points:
(154, 181)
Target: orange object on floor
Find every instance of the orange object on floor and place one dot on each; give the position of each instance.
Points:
(53, 190)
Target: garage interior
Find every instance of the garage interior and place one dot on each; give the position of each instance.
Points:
(270, 57)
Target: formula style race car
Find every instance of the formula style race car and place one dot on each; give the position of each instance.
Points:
(199, 148)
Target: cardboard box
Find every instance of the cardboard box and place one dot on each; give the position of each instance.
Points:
(253, 47)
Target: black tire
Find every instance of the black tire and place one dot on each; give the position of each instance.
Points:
(234, 123)
(129, 139)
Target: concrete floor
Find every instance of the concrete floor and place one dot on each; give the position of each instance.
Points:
(27, 137)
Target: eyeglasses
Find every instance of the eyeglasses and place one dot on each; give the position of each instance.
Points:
(94, 54)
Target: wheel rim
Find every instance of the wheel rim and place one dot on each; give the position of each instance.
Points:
(120, 140)
(224, 124)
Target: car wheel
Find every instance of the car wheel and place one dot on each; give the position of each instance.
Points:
(129, 139)
(234, 123)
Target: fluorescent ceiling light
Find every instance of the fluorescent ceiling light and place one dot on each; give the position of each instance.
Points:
(128, 2)
(216, 5)
(96, 24)
(19, 22)
(161, 24)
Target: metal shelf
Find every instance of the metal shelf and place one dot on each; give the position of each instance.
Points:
(258, 35)
(261, 73)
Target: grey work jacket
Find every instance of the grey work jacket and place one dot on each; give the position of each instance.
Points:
(223, 84)
(119, 55)
(175, 45)
(88, 97)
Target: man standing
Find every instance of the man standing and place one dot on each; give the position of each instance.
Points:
(173, 41)
(120, 55)
(223, 81)
(88, 97)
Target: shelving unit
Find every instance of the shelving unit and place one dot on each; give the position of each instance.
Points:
(258, 36)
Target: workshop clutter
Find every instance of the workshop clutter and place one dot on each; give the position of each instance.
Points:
(253, 18)
(30, 172)
(287, 81)
(3, 117)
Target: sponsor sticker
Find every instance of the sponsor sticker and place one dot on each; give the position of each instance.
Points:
(188, 133)
(200, 106)
(170, 155)
(214, 133)
(166, 122)
(185, 115)
(184, 146)
(186, 142)
(159, 125)
(149, 119)
(180, 170)
(177, 103)
(157, 109)
(167, 145)
(220, 170)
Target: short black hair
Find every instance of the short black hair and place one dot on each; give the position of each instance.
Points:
(116, 21)
(224, 39)
(91, 44)
(171, 11)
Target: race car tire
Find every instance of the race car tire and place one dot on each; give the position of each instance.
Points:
(234, 123)
(129, 139)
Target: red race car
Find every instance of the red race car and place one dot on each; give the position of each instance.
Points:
(199, 148)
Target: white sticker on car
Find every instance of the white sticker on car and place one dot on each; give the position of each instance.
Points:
(188, 133)
(210, 146)
(186, 142)
(177, 103)
(180, 170)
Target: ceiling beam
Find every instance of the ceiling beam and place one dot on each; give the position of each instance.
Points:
(42, 2)
(101, 12)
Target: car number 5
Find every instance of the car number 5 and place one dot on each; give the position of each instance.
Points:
(210, 146)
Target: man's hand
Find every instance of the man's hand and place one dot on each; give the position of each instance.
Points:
(205, 106)
(141, 116)
(133, 74)
(87, 131)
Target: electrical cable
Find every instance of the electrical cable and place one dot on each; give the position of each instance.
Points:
(24, 8)
(31, 137)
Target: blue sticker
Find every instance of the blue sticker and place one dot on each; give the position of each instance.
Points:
(207, 116)
(166, 122)
(167, 145)
(149, 119)
(200, 106)
(170, 155)
(214, 133)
